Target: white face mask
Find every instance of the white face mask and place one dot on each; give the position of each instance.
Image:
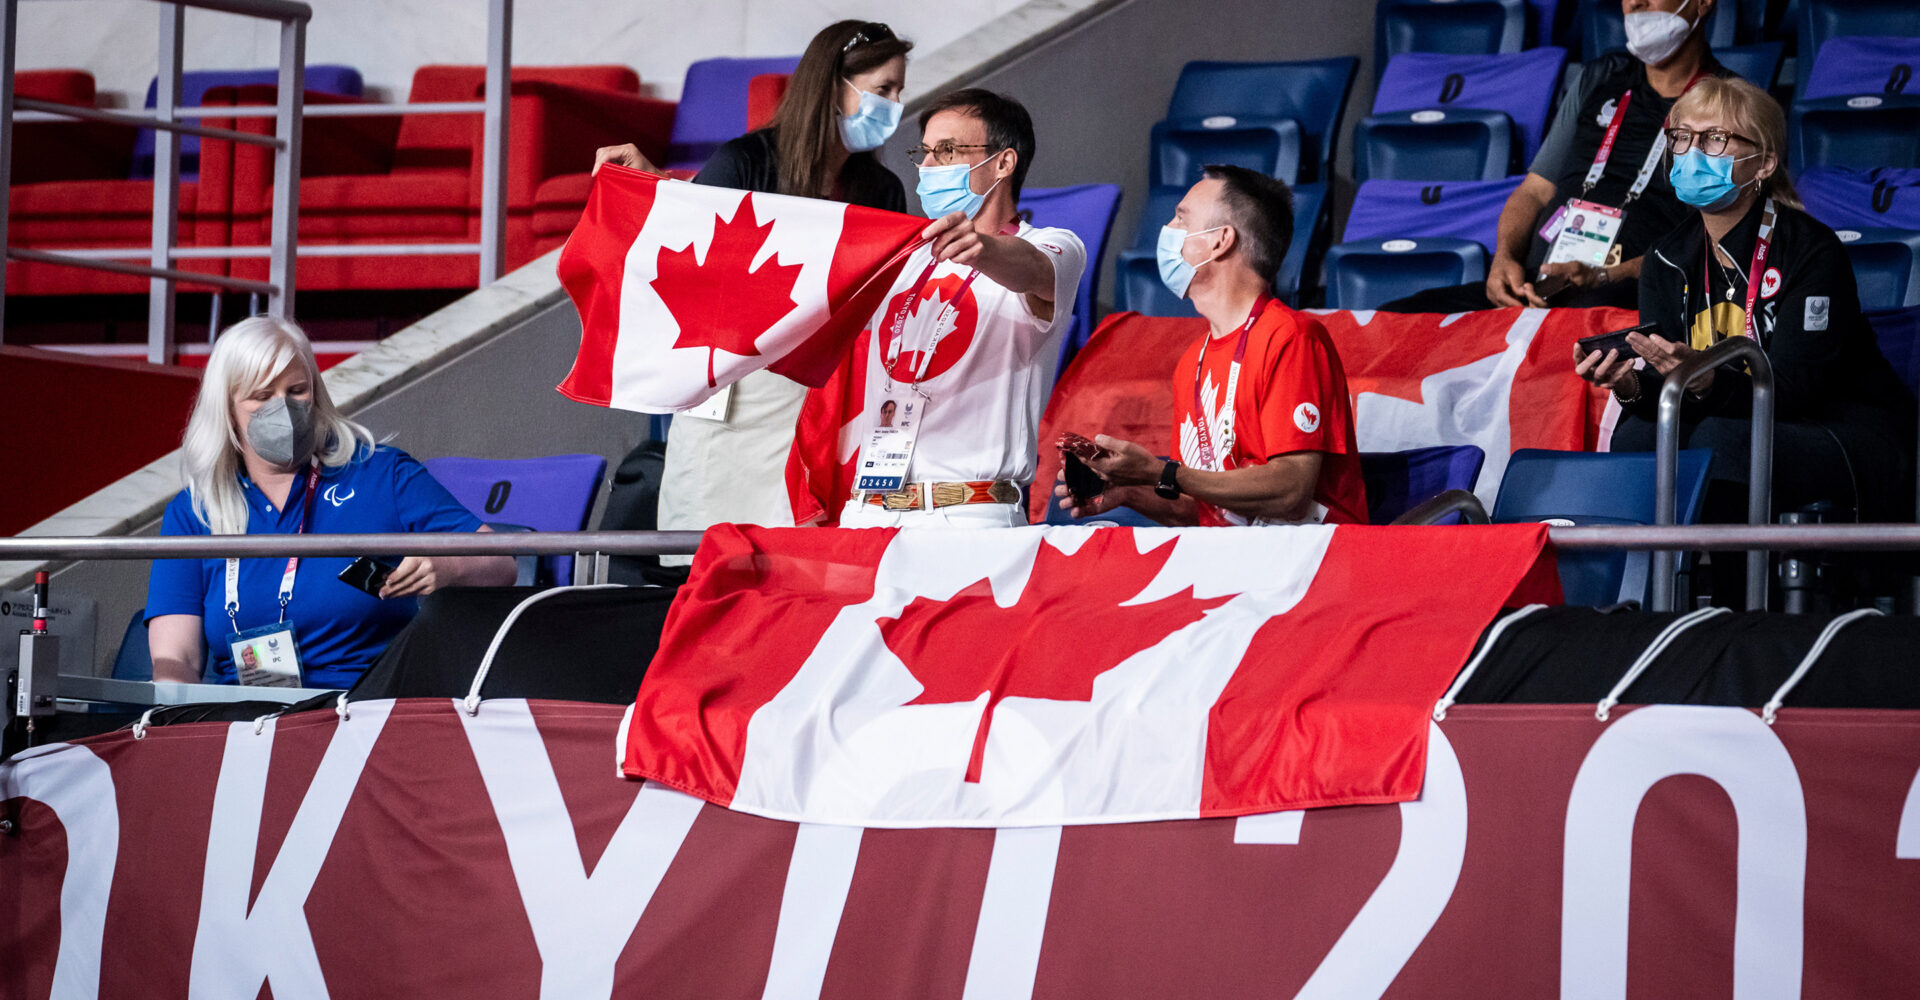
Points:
(1653, 36)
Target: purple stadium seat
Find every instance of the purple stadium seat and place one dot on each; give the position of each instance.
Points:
(1845, 198)
(713, 106)
(341, 80)
(1398, 481)
(1855, 65)
(554, 493)
(1086, 210)
(1468, 210)
(1520, 84)
(1822, 21)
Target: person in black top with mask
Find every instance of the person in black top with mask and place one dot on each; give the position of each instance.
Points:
(1605, 149)
(728, 464)
(1750, 262)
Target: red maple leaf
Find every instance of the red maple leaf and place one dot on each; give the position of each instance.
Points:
(1393, 359)
(1068, 628)
(721, 304)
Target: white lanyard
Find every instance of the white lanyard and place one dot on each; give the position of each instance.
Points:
(1211, 459)
(1613, 132)
(897, 328)
(286, 575)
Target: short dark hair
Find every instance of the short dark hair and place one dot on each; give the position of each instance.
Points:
(1008, 125)
(1260, 208)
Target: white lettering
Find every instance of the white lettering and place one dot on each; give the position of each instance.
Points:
(236, 949)
(1743, 755)
(580, 922)
(819, 876)
(78, 787)
(1013, 913)
(1906, 845)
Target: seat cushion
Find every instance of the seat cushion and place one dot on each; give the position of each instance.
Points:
(88, 213)
(558, 202)
(394, 205)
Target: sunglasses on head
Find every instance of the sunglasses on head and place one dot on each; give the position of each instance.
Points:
(870, 32)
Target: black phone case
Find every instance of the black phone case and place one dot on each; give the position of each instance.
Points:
(366, 574)
(1615, 340)
(1082, 482)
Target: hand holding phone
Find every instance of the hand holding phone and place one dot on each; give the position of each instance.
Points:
(1601, 343)
(368, 574)
(1084, 483)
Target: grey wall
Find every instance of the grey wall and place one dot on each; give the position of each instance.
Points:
(496, 400)
(1097, 88)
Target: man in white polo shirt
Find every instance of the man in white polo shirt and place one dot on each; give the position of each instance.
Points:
(966, 343)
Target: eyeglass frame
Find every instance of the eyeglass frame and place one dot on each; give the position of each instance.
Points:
(860, 36)
(919, 152)
(1675, 147)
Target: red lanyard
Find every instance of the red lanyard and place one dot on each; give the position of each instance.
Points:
(1613, 132)
(1756, 270)
(1200, 422)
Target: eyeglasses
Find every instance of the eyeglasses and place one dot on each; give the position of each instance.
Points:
(1712, 142)
(870, 32)
(944, 154)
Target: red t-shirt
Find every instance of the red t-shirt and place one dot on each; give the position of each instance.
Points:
(1292, 396)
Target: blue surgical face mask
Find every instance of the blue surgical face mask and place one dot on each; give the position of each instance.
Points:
(950, 189)
(1705, 182)
(1175, 272)
(870, 126)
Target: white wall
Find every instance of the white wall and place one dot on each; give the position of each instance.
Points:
(386, 39)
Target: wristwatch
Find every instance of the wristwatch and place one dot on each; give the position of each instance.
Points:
(1168, 487)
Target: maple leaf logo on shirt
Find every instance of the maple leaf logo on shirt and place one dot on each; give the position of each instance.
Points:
(1216, 419)
(935, 315)
(968, 645)
(722, 304)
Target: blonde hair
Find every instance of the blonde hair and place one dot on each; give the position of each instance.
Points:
(249, 355)
(1753, 113)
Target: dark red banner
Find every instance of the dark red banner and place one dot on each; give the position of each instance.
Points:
(413, 850)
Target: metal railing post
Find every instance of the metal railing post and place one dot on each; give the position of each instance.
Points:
(1759, 461)
(286, 166)
(493, 172)
(9, 25)
(161, 346)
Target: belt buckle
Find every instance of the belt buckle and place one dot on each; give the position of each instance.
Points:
(900, 499)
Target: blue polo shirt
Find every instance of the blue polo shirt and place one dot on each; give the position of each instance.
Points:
(341, 629)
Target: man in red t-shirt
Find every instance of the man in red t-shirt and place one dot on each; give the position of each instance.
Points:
(1283, 449)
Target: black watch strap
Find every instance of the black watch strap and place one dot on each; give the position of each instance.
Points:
(1169, 485)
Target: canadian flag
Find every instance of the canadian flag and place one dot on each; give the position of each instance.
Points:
(1045, 676)
(685, 288)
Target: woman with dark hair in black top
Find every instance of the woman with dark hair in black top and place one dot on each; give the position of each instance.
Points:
(843, 102)
(1751, 263)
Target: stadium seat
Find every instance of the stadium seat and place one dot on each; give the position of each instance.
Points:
(1548, 21)
(342, 81)
(1366, 274)
(713, 106)
(764, 94)
(1897, 331)
(1449, 117)
(1822, 21)
(134, 660)
(554, 493)
(1137, 270)
(1865, 131)
(1469, 210)
(1862, 199)
(1087, 210)
(1603, 29)
(1178, 152)
(1886, 265)
(1312, 94)
(1398, 481)
(1596, 488)
(1852, 66)
(1758, 64)
(1463, 27)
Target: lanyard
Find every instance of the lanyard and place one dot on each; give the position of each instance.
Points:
(1647, 168)
(1755, 270)
(896, 327)
(293, 562)
(1207, 454)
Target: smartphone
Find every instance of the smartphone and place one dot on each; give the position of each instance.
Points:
(368, 574)
(1617, 340)
(1084, 483)
(1550, 285)
(1079, 444)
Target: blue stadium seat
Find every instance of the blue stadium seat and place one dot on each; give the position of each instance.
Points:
(134, 660)
(1468, 210)
(1365, 274)
(1822, 21)
(1603, 28)
(1596, 488)
(1864, 132)
(1549, 22)
(1312, 94)
(1852, 66)
(1886, 264)
(1758, 64)
(1897, 331)
(1087, 210)
(1463, 27)
(1178, 152)
(1398, 481)
(342, 80)
(1846, 198)
(1137, 270)
(554, 493)
(1469, 117)
(713, 106)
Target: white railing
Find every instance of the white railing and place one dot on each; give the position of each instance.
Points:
(169, 120)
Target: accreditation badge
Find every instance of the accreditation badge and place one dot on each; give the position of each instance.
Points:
(888, 448)
(267, 656)
(1586, 234)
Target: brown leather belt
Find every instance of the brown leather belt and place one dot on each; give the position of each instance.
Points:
(942, 495)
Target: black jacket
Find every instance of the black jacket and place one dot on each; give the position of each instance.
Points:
(752, 163)
(1827, 368)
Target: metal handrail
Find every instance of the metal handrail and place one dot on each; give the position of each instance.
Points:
(1759, 461)
(168, 273)
(272, 10)
(1708, 537)
(51, 110)
(1447, 504)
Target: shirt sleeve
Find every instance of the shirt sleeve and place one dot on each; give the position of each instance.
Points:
(1550, 160)
(424, 504)
(1299, 406)
(1069, 259)
(177, 586)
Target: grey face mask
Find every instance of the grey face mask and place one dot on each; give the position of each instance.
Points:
(281, 431)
